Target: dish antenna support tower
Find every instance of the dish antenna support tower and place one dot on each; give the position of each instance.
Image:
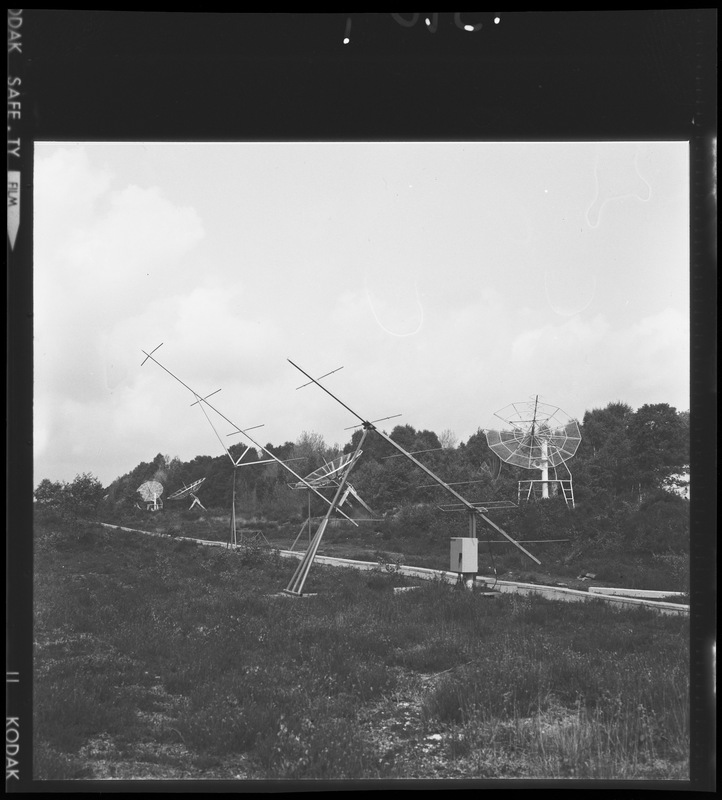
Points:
(296, 585)
(538, 437)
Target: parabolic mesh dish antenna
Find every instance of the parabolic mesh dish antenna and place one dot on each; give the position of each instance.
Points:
(540, 437)
(151, 492)
(330, 476)
(324, 476)
(189, 491)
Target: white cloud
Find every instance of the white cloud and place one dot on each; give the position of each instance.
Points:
(102, 256)
(445, 291)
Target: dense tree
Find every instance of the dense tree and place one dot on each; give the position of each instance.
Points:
(604, 463)
(312, 452)
(622, 454)
(49, 493)
(79, 498)
(660, 441)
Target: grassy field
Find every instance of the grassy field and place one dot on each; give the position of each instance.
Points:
(158, 658)
(562, 562)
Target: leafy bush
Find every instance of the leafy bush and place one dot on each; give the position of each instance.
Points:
(74, 500)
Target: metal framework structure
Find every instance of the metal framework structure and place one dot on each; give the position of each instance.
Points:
(296, 584)
(539, 437)
(151, 492)
(189, 491)
(203, 402)
(295, 587)
(329, 476)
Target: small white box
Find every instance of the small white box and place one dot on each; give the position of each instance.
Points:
(464, 554)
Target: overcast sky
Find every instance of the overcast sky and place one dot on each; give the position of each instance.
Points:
(447, 279)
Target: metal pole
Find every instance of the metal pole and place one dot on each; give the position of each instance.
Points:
(298, 580)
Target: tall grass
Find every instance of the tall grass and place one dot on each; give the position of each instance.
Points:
(154, 642)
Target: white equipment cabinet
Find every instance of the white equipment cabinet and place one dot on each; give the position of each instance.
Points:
(464, 555)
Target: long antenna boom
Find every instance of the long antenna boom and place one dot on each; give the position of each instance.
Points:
(432, 475)
(244, 432)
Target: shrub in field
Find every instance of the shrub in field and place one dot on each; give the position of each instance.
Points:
(49, 764)
(301, 748)
(71, 708)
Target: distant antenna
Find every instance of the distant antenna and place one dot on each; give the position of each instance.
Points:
(296, 587)
(538, 437)
(203, 403)
(189, 491)
(151, 492)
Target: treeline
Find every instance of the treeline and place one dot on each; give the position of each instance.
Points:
(625, 458)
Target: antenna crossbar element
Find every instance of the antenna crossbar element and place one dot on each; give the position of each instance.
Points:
(244, 432)
(455, 483)
(470, 507)
(319, 378)
(148, 355)
(393, 416)
(206, 397)
(252, 428)
(488, 505)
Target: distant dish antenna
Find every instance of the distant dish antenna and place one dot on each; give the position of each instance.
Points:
(151, 492)
(189, 491)
(330, 476)
(538, 437)
(203, 403)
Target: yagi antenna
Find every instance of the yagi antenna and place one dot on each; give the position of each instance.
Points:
(252, 428)
(473, 510)
(244, 432)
